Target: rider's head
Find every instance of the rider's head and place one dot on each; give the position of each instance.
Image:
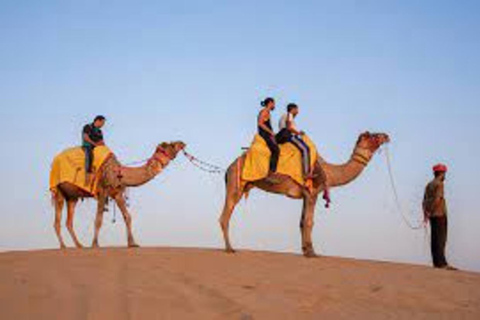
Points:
(292, 108)
(268, 103)
(99, 121)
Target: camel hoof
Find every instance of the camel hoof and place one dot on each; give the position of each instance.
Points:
(133, 245)
(95, 245)
(63, 247)
(79, 246)
(310, 254)
(230, 250)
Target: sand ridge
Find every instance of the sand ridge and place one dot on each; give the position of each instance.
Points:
(179, 283)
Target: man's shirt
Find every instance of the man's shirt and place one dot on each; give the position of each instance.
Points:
(94, 133)
(285, 119)
(434, 192)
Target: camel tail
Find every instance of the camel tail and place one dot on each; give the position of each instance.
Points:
(55, 196)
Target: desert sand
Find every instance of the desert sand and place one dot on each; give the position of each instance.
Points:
(167, 283)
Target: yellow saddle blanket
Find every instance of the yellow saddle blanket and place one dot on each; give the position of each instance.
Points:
(256, 165)
(69, 166)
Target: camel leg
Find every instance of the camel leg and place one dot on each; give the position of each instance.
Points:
(306, 225)
(234, 192)
(98, 219)
(120, 200)
(59, 203)
(70, 214)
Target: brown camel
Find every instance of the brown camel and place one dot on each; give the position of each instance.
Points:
(114, 179)
(334, 175)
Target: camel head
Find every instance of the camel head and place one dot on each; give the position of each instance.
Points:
(372, 141)
(171, 148)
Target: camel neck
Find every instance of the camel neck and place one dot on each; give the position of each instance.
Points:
(342, 174)
(137, 176)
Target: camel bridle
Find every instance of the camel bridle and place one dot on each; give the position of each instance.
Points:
(362, 155)
(157, 157)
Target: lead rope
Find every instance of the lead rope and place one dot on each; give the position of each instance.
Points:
(114, 212)
(396, 197)
(202, 165)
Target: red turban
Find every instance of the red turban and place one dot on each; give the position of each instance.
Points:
(440, 168)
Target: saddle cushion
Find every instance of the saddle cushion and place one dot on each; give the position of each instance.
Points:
(69, 166)
(257, 160)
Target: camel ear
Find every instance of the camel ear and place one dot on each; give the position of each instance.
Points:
(363, 136)
(163, 145)
(367, 135)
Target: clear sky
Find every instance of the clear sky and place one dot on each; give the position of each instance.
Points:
(196, 71)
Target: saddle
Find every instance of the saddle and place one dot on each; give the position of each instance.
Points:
(69, 166)
(256, 165)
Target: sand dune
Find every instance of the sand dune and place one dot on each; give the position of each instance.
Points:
(207, 284)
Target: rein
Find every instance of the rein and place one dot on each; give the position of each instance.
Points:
(153, 157)
(418, 226)
(120, 175)
(203, 165)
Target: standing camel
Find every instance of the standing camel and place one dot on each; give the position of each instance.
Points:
(335, 175)
(114, 179)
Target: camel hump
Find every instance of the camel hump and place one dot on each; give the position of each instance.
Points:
(256, 165)
(69, 166)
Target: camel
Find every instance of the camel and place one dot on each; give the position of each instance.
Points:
(114, 180)
(324, 173)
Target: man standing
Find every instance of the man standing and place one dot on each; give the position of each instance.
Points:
(92, 137)
(435, 211)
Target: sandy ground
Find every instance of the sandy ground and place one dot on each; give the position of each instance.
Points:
(162, 283)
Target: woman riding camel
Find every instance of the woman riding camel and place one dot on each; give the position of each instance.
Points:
(265, 130)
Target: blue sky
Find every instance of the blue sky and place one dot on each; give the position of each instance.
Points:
(196, 71)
